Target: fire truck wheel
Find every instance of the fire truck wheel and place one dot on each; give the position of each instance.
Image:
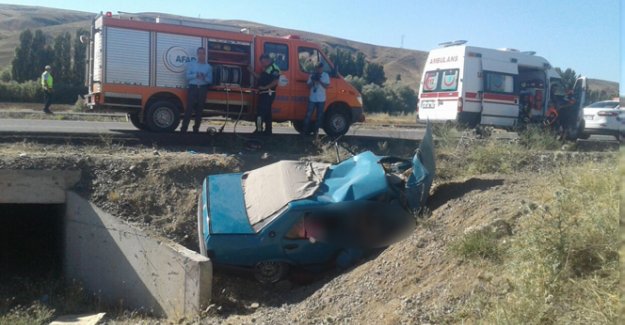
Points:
(298, 126)
(337, 121)
(134, 119)
(162, 116)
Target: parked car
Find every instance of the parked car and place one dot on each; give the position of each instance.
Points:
(604, 117)
(311, 216)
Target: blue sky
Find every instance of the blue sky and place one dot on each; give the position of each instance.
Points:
(584, 35)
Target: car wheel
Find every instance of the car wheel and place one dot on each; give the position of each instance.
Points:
(337, 121)
(136, 121)
(162, 116)
(268, 272)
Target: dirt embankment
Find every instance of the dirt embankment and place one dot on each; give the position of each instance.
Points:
(414, 281)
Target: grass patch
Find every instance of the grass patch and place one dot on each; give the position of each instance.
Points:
(385, 118)
(477, 244)
(562, 262)
(536, 137)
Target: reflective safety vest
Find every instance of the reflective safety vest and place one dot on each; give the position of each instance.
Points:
(46, 80)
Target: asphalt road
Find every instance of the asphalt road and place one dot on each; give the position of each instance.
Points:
(68, 131)
(125, 129)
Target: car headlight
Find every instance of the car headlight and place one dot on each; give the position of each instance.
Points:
(359, 99)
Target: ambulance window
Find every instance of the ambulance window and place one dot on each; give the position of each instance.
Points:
(449, 80)
(308, 58)
(498, 83)
(430, 82)
(279, 53)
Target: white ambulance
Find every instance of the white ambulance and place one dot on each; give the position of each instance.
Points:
(500, 87)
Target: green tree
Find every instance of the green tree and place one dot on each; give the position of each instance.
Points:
(568, 77)
(374, 98)
(357, 82)
(21, 63)
(374, 73)
(78, 66)
(360, 63)
(40, 54)
(62, 58)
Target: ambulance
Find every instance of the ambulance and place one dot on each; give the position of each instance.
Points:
(138, 66)
(504, 88)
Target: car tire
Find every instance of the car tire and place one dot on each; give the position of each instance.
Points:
(336, 121)
(268, 272)
(136, 121)
(162, 116)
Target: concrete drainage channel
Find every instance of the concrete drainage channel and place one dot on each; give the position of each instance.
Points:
(45, 227)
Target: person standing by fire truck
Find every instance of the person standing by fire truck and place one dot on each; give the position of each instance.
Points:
(199, 77)
(267, 83)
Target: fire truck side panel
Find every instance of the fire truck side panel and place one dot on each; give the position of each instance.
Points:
(127, 56)
(97, 57)
(173, 52)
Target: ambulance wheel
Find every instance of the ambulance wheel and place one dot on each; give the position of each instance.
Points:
(134, 119)
(268, 272)
(162, 116)
(337, 121)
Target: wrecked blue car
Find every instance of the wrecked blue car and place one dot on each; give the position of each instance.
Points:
(311, 216)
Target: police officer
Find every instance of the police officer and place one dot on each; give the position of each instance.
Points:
(47, 82)
(267, 83)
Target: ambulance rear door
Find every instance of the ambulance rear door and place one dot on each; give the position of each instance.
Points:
(500, 97)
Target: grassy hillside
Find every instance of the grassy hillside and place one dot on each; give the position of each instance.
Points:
(408, 63)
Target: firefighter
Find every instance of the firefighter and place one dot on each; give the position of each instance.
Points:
(267, 83)
(47, 82)
(199, 77)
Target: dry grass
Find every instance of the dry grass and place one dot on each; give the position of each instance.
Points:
(562, 262)
(387, 119)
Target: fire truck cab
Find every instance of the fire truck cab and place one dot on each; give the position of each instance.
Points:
(138, 67)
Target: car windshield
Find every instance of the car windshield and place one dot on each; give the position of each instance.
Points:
(608, 104)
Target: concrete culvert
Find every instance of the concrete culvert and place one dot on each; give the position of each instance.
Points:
(31, 240)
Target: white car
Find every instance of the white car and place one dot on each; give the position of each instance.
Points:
(605, 117)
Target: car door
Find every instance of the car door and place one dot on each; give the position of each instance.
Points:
(500, 97)
(575, 130)
(306, 242)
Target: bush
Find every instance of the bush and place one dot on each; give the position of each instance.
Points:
(391, 98)
(5, 75)
(31, 91)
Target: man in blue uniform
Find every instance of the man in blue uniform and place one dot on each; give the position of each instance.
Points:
(267, 83)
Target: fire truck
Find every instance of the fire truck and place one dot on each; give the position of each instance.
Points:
(505, 88)
(138, 67)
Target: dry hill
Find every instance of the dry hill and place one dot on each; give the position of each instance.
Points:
(408, 63)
